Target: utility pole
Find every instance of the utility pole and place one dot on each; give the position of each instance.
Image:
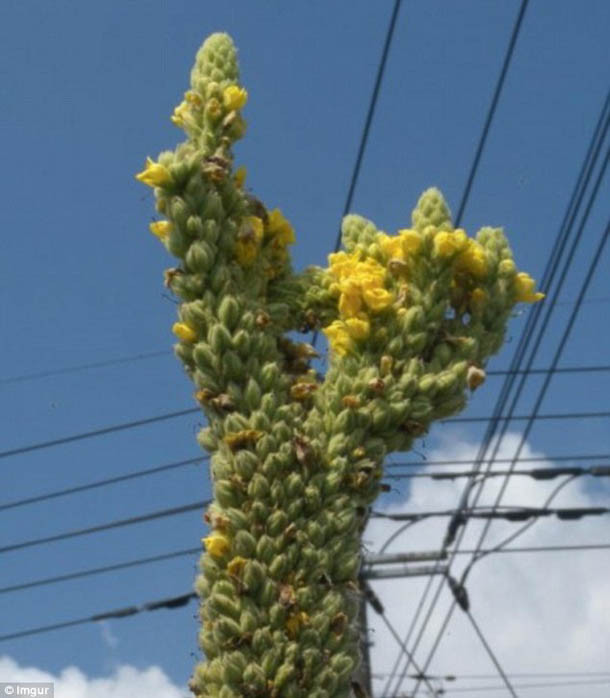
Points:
(362, 685)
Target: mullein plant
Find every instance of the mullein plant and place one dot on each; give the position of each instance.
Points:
(296, 457)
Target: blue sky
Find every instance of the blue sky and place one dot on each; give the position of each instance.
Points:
(87, 91)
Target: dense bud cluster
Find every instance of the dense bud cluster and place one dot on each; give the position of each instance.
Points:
(297, 457)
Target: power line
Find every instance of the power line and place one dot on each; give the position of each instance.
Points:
(378, 607)
(369, 115)
(512, 674)
(491, 112)
(25, 377)
(521, 686)
(169, 603)
(181, 413)
(510, 514)
(548, 684)
(491, 654)
(563, 341)
(98, 570)
(564, 231)
(45, 581)
(97, 432)
(476, 558)
(529, 417)
(83, 367)
(105, 527)
(527, 459)
(588, 277)
(539, 549)
(542, 371)
(367, 127)
(535, 473)
(100, 483)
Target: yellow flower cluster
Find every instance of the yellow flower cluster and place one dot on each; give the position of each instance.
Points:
(468, 255)
(360, 287)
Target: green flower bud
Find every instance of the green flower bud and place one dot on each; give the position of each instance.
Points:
(244, 544)
(234, 667)
(283, 674)
(225, 630)
(199, 257)
(254, 677)
(253, 575)
(227, 493)
(229, 312)
(225, 605)
(232, 366)
(278, 567)
(258, 488)
(265, 550)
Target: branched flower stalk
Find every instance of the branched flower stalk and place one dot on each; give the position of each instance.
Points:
(411, 320)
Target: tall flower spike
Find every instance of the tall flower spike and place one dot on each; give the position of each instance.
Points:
(296, 458)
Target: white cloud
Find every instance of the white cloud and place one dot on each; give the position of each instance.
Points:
(125, 682)
(540, 612)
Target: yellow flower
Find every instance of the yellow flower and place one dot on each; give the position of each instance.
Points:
(411, 240)
(184, 332)
(161, 229)
(392, 246)
(234, 97)
(278, 227)
(216, 544)
(341, 264)
(358, 327)
(240, 176)
(350, 300)
(524, 286)
(377, 299)
(181, 115)
(370, 272)
(338, 338)
(155, 174)
(473, 260)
